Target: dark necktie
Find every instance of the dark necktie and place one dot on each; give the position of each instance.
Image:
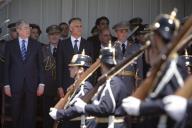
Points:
(75, 47)
(23, 50)
(54, 52)
(123, 48)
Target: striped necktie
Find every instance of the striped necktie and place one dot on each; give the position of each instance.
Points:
(75, 47)
(23, 50)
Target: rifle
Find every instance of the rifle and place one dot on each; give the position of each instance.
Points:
(177, 43)
(63, 102)
(114, 71)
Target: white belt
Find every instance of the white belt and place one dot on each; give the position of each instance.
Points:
(109, 119)
(79, 118)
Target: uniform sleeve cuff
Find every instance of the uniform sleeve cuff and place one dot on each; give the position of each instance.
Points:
(42, 85)
(6, 86)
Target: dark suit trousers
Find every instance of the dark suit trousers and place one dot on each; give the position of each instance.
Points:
(48, 101)
(24, 109)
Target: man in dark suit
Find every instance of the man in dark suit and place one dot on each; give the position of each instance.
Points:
(104, 38)
(64, 30)
(35, 31)
(66, 49)
(101, 23)
(49, 63)
(23, 76)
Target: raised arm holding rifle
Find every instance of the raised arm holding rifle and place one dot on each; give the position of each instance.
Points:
(166, 75)
(80, 63)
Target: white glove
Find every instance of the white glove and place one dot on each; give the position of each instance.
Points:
(53, 113)
(131, 105)
(80, 105)
(175, 106)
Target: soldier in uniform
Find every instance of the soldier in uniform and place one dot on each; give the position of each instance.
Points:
(134, 72)
(2, 59)
(164, 29)
(12, 31)
(49, 63)
(133, 23)
(69, 115)
(13, 35)
(106, 104)
(140, 36)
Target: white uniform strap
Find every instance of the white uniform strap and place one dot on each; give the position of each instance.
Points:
(111, 121)
(83, 121)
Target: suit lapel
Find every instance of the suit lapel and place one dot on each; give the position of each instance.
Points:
(82, 45)
(29, 47)
(17, 49)
(49, 51)
(70, 46)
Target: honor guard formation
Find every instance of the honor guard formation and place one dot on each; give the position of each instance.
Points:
(139, 77)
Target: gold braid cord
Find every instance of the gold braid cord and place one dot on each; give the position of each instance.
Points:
(50, 65)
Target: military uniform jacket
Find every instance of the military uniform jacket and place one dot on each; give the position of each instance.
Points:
(71, 111)
(108, 99)
(49, 64)
(172, 78)
(189, 109)
(186, 122)
(2, 59)
(135, 67)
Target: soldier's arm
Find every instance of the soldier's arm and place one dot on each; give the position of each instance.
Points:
(104, 108)
(151, 107)
(106, 105)
(68, 113)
